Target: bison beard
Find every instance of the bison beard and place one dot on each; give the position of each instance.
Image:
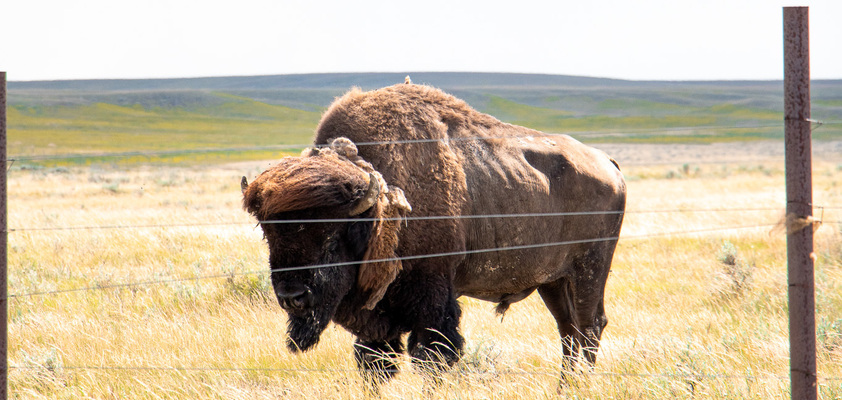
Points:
(304, 331)
(329, 286)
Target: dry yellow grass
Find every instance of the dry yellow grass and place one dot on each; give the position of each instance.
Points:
(682, 324)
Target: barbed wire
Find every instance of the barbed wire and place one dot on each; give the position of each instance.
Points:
(418, 218)
(591, 133)
(139, 226)
(389, 259)
(409, 218)
(195, 369)
(162, 153)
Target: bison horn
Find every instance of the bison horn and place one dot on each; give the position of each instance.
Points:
(369, 198)
(244, 184)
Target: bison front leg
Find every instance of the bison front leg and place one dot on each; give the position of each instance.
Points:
(437, 344)
(376, 361)
(430, 312)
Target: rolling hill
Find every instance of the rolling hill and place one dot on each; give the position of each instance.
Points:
(238, 115)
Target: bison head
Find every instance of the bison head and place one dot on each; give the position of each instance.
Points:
(332, 226)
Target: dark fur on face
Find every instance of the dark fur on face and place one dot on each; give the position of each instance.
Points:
(292, 245)
(307, 188)
(305, 328)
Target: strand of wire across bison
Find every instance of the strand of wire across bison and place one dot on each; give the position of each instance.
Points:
(410, 218)
(404, 258)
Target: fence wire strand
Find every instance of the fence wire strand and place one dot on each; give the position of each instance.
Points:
(164, 153)
(410, 218)
(195, 369)
(392, 259)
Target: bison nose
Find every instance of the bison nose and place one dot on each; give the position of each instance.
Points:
(295, 299)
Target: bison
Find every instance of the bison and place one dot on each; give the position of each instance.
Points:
(407, 201)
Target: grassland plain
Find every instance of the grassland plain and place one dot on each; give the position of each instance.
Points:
(149, 281)
(240, 127)
(217, 120)
(169, 296)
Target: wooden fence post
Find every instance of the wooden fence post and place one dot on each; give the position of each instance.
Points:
(799, 209)
(4, 237)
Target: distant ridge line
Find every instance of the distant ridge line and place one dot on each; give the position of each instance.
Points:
(365, 80)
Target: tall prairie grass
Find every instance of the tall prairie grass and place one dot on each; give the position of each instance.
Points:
(151, 283)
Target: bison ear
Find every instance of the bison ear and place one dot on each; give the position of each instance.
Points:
(251, 198)
(380, 264)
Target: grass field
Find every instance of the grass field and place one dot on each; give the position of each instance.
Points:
(139, 276)
(219, 120)
(693, 315)
(242, 129)
(170, 135)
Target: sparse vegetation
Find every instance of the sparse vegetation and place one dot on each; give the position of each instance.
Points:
(736, 272)
(204, 323)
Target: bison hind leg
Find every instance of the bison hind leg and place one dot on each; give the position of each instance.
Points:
(377, 360)
(580, 318)
(594, 333)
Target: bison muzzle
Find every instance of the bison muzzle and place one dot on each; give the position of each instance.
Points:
(382, 236)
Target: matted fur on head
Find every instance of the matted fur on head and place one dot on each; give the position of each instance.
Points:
(332, 176)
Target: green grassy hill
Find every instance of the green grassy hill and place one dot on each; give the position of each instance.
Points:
(180, 120)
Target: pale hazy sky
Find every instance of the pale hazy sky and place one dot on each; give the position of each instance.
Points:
(648, 39)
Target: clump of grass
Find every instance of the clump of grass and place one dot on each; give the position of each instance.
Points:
(829, 334)
(255, 287)
(111, 187)
(759, 168)
(736, 272)
(45, 368)
(685, 171)
(480, 358)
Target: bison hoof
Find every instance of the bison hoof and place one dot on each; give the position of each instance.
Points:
(376, 362)
(435, 359)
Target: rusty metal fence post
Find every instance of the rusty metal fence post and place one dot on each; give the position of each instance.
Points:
(799, 209)
(4, 289)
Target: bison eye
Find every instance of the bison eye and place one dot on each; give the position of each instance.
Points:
(357, 237)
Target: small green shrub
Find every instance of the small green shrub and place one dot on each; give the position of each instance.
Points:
(829, 333)
(736, 271)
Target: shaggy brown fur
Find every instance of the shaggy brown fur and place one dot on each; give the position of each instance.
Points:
(297, 183)
(375, 276)
(433, 151)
